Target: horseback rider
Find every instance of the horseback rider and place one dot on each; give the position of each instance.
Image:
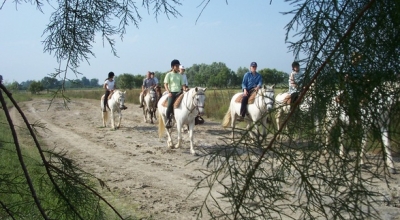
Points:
(295, 79)
(173, 84)
(252, 81)
(109, 87)
(148, 82)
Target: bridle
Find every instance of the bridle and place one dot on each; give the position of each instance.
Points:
(195, 101)
(265, 96)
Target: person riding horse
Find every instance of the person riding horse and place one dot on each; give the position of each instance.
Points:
(148, 82)
(295, 79)
(252, 81)
(173, 84)
(109, 86)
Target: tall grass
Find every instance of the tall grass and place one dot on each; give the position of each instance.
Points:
(16, 197)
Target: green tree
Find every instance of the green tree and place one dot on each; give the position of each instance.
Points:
(50, 83)
(85, 82)
(70, 35)
(267, 178)
(94, 82)
(35, 87)
(125, 81)
(14, 86)
(272, 76)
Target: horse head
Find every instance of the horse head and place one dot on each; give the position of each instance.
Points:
(267, 92)
(199, 98)
(120, 97)
(153, 94)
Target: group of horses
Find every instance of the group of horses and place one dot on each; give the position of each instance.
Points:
(264, 102)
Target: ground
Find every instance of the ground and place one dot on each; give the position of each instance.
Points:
(138, 167)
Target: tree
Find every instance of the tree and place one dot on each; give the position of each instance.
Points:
(50, 83)
(267, 179)
(125, 81)
(35, 87)
(272, 76)
(94, 82)
(85, 82)
(69, 36)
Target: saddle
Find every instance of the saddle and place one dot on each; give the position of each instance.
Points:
(252, 98)
(111, 93)
(177, 101)
(290, 98)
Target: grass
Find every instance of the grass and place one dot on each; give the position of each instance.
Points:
(16, 197)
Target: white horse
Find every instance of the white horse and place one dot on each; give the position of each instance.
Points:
(149, 104)
(192, 105)
(376, 113)
(256, 112)
(283, 108)
(115, 104)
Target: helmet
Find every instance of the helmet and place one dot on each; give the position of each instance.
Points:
(175, 62)
(295, 63)
(110, 74)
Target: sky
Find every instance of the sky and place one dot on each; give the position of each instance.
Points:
(236, 34)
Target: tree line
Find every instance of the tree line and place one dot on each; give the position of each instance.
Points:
(215, 75)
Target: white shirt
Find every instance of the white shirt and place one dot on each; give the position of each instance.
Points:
(184, 80)
(110, 85)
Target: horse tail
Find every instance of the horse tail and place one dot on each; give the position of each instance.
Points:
(227, 119)
(161, 126)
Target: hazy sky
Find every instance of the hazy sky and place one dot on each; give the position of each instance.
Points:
(235, 34)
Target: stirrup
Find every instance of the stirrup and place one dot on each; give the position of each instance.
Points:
(169, 123)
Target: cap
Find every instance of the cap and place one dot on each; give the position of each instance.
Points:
(181, 67)
(253, 64)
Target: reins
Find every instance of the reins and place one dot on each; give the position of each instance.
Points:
(197, 93)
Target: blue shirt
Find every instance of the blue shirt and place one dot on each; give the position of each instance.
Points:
(250, 81)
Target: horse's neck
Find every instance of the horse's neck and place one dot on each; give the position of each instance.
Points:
(259, 100)
(187, 100)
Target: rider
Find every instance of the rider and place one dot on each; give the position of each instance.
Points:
(295, 79)
(252, 81)
(173, 85)
(184, 78)
(109, 86)
(148, 82)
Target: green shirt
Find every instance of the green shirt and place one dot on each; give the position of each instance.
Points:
(174, 81)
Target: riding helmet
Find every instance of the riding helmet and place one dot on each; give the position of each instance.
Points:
(175, 62)
(110, 74)
(295, 63)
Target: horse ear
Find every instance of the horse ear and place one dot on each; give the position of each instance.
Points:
(205, 89)
(195, 89)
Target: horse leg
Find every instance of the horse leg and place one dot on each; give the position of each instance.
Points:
(387, 145)
(151, 116)
(145, 114)
(112, 119)
(120, 117)
(105, 118)
(278, 122)
(170, 144)
(233, 121)
(179, 131)
(191, 128)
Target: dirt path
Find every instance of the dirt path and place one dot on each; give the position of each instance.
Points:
(142, 173)
(132, 160)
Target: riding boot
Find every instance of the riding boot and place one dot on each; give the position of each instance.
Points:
(169, 122)
(141, 101)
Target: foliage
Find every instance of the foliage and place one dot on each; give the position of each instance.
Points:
(301, 176)
(35, 87)
(125, 81)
